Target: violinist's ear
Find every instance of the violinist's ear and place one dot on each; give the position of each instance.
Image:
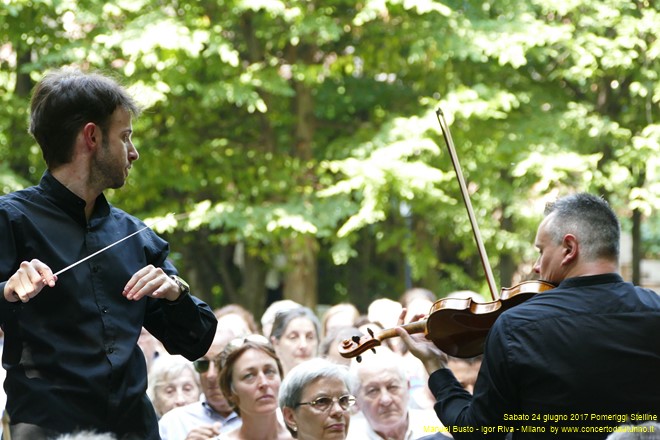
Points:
(570, 249)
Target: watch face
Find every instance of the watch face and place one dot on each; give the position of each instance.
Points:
(183, 286)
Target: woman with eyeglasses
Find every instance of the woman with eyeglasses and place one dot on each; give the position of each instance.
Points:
(315, 400)
(250, 378)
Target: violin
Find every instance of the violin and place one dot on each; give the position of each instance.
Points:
(457, 326)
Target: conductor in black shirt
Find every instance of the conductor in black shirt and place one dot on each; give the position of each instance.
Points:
(71, 350)
(575, 361)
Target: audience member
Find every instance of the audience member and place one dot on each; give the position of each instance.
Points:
(330, 345)
(250, 377)
(212, 414)
(464, 294)
(421, 302)
(315, 400)
(295, 336)
(381, 388)
(151, 347)
(238, 318)
(368, 327)
(173, 382)
(384, 311)
(269, 315)
(339, 315)
(465, 370)
(417, 301)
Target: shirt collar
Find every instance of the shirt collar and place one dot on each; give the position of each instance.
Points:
(69, 202)
(233, 415)
(604, 278)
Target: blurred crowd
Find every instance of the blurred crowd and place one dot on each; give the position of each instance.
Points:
(284, 373)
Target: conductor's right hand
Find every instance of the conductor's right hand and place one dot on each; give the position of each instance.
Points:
(28, 281)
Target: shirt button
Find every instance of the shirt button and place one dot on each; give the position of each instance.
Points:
(104, 310)
(111, 350)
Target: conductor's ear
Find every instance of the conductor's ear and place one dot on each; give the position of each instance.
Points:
(91, 135)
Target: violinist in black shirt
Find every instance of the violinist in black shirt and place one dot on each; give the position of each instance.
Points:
(71, 350)
(572, 362)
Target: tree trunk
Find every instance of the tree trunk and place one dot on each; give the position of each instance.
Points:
(253, 287)
(301, 278)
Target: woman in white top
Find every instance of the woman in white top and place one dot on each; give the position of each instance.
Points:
(250, 378)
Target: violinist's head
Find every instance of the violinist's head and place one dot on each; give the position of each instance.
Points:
(579, 236)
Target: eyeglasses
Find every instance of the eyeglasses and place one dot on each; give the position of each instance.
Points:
(323, 404)
(202, 365)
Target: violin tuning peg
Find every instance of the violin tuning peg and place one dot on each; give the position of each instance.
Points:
(359, 359)
(373, 349)
(371, 332)
(355, 339)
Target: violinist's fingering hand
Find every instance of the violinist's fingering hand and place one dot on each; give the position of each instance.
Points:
(431, 356)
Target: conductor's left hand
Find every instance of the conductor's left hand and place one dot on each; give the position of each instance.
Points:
(152, 282)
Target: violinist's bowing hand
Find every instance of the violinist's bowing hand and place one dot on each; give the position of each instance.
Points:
(431, 356)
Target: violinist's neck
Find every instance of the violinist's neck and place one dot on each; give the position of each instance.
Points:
(598, 267)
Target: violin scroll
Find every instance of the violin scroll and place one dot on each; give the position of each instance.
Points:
(355, 346)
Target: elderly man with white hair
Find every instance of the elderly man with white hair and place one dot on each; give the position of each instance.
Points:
(382, 392)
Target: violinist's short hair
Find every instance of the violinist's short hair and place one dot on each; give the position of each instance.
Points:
(591, 219)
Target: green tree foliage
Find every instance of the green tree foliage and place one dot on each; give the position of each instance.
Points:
(301, 134)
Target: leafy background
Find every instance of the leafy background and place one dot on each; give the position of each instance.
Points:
(301, 135)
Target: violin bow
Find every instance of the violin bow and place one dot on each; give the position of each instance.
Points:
(82, 260)
(446, 134)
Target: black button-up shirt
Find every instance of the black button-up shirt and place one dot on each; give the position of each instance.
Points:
(572, 362)
(71, 352)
